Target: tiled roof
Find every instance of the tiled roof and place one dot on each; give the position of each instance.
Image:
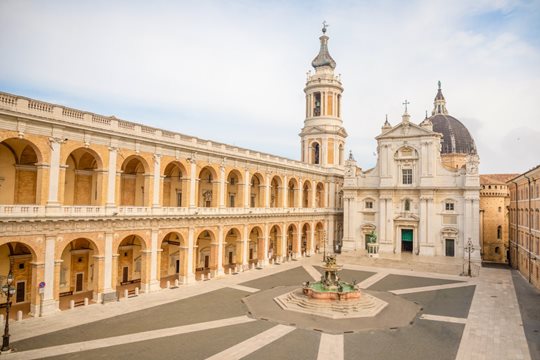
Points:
(496, 179)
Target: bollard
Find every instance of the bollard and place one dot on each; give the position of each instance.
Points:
(252, 266)
(1, 319)
(126, 293)
(137, 291)
(230, 271)
(168, 284)
(85, 301)
(176, 282)
(71, 304)
(19, 315)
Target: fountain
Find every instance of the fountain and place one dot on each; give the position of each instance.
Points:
(331, 287)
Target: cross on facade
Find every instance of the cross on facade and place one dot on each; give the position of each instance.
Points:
(406, 103)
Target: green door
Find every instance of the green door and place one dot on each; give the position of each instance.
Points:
(406, 240)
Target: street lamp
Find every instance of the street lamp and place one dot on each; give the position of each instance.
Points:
(469, 249)
(8, 291)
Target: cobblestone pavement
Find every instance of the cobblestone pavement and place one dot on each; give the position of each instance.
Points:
(461, 318)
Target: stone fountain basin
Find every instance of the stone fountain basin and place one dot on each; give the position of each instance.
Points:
(331, 295)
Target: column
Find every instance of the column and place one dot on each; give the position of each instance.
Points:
(219, 253)
(324, 152)
(189, 276)
(313, 193)
(311, 238)
(192, 183)
(109, 293)
(50, 305)
(475, 231)
(325, 194)
(422, 227)
(156, 181)
(54, 173)
(247, 185)
(299, 240)
(267, 191)
(283, 248)
(153, 283)
(264, 260)
(111, 178)
(221, 186)
(245, 248)
(300, 201)
(466, 226)
(332, 195)
(285, 192)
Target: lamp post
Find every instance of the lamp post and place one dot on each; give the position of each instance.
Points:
(469, 249)
(9, 291)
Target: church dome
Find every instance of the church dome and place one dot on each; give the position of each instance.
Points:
(456, 138)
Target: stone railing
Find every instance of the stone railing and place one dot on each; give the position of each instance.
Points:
(112, 124)
(33, 211)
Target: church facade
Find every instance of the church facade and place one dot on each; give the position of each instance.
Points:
(422, 196)
(92, 206)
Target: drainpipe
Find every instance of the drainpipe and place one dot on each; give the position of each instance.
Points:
(529, 250)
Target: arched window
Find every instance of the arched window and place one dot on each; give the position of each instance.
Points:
(499, 232)
(316, 153)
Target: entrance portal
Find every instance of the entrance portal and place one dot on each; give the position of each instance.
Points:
(406, 240)
(449, 247)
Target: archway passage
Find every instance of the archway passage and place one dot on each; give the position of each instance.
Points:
(276, 198)
(256, 191)
(292, 242)
(205, 254)
(78, 272)
(131, 264)
(18, 258)
(235, 194)
(175, 186)
(20, 177)
(306, 194)
(172, 259)
(256, 245)
(319, 196)
(319, 238)
(208, 187)
(134, 184)
(306, 240)
(274, 243)
(292, 195)
(232, 250)
(82, 180)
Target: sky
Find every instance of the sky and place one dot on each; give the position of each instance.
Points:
(234, 71)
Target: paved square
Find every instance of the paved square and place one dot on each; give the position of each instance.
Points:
(208, 320)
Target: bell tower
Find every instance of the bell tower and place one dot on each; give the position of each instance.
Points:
(323, 135)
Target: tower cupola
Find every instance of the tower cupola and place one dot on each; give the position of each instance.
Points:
(439, 104)
(323, 135)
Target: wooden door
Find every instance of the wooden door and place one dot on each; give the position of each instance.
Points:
(79, 282)
(21, 292)
(125, 272)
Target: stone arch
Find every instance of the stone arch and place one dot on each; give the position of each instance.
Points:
(131, 261)
(235, 187)
(319, 195)
(305, 239)
(19, 258)
(208, 187)
(276, 191)
(255, 244)
(82, 178)
(175, 185)
(315, 152)
(292, 241)
(274, 242)
(134, 184)
(205, 252)
(172, 259)
(79, 270)
(292, 193)
(20, 181)
(319, 237)
(232, 248)
(306, 194)
(257, 190)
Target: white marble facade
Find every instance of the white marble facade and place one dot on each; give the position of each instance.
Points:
(409, 200)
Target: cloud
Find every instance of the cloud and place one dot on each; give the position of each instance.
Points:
(233, 71)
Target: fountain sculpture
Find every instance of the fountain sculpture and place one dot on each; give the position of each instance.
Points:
(331, 287)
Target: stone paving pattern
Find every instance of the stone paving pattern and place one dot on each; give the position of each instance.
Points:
(487, 305)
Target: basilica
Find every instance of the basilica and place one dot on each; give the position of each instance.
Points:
(96, 206)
